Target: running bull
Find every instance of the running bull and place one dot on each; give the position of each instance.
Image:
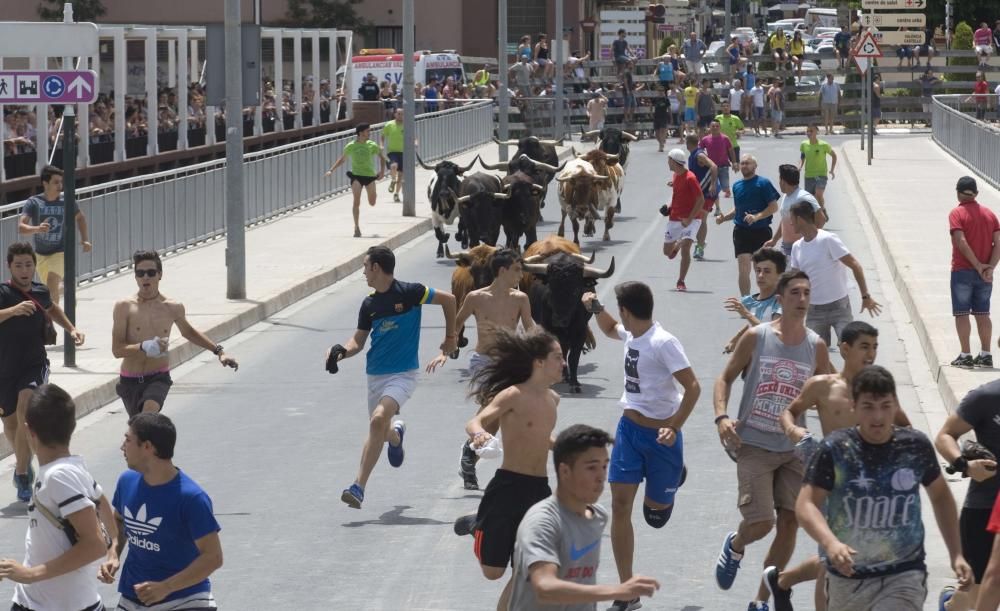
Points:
(613, 141)
(443, 193)
(559, 277)
(482, 198)
(588, 187)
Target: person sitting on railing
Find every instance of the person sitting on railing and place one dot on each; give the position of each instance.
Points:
(779, 45)
(797, 50)
(982, 39)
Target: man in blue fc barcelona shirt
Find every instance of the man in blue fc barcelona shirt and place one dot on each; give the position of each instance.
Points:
(391, 316)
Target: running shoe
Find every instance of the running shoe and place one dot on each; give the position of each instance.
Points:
(467, 469)
(625, 605)
(465, 525)
(947, 593)
(782, 598)
(964, 361)
(395, 198)
(392, 185)
(23, 484)
(681, 286)
(728, 564)
(357, 232)
(759, 606)
(396, 453)
(699, 252)
(984, 360)
(353, 496)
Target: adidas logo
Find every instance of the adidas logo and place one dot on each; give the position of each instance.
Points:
(138, 525)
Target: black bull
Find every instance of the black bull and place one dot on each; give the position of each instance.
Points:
(481, 203)
(556, 304)
(443, 195)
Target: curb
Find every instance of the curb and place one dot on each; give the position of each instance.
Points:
(945, 389)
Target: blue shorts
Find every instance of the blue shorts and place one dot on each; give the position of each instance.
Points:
(395, 157)
(969, 293)
(690, 115)
(637, 456)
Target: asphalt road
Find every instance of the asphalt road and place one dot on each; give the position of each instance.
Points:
(275, 443)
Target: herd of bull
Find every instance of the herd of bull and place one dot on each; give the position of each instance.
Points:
(556, 274)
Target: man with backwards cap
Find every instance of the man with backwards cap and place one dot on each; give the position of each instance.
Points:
(683, 213)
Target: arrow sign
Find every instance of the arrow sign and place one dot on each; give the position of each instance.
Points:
(894, 20)
(867, 46)
(899, 37)
(896, 4)
(47, 86)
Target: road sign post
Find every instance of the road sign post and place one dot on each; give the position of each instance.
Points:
(69, 230)
(48, 86)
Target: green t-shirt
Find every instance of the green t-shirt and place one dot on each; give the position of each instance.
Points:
(362, 156)
(393, 133)
(730, 125)
(815, 157)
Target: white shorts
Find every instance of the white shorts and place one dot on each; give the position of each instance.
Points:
(477, 362)
(984, 49)
(677, 231)
(397, 386)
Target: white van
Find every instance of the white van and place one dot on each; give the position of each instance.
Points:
(387, 65)
(822, 17)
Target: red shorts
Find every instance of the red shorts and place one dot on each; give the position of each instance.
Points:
(710, 204)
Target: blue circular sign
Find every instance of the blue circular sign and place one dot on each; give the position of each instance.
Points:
(53, 86)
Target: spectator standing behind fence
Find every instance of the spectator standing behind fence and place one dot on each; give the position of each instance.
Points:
(694, 50)
(368, 91)
(975, 239)
(829, 101)
(980, 96)
(927, 82)
(44, 217)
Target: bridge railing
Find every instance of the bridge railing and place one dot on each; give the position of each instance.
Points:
(972, 141)
(172, 210)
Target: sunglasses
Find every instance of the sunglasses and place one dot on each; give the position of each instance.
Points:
(149, 273)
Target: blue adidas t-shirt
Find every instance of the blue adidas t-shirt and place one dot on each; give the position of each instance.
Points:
(393, 318)
(752, 195)
(161, 525)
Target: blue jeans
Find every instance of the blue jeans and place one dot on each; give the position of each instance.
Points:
(970, 294)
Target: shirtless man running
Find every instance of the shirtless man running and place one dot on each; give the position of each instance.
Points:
(498, 306)
(515, 388)
(830, 394)
(141, 336)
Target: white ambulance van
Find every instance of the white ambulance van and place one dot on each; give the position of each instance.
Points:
(387, 65)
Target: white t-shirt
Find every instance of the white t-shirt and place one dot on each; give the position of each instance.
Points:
(788, 233)
(757, 93)
(651, 360)
(735, 99)
(820, 259)
(997, 91)
(66, 488)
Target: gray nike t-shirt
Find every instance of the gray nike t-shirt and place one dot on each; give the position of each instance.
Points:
(552, 533)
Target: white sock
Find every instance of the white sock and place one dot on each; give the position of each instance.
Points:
(964, 354)
(984, 354)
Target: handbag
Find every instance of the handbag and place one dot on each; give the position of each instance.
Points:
(49, 334)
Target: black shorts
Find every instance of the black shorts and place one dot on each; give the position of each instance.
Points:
(507, 498)
(136, 391)
(364, 181)
(396, 158)
(747, 241)
(705, 120)
(29, 377)
(661, 122)
(977, 542)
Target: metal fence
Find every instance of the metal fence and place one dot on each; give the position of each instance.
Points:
(973, 141)
(172, 210)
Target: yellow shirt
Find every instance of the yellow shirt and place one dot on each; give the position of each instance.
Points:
(797, 47)
(690, 96)
(778, 42)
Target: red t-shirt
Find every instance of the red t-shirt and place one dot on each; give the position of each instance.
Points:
(686, 192)
(981, 87)
(978, 223)
(994, 524)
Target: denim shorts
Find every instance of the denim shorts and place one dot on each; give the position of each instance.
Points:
(969, 293)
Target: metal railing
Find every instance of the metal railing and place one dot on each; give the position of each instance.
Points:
(172, 210)
(958, 129)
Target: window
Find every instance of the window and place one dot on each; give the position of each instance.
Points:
(389, 37)
(525, 17)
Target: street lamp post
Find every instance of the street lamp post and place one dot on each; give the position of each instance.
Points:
(503, 99)
(409, 118)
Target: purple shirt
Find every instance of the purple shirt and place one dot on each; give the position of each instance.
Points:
(717, 148)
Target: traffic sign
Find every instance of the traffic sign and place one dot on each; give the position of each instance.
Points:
(884, 4)
(893, 20)
(48, 87)
(862, 63)
(900, 37)
(867, 46)
(40, 39)
(667, 27)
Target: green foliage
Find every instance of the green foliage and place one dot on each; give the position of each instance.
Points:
(665, 45)
(83, 10)
(971, 11)
(324, 14)
(962, 40)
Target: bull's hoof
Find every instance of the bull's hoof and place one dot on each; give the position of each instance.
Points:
(561, 233)
(575, 388)
(465, 245)
(618, 208)
(453, 355)
(463, 342)
(607, 236)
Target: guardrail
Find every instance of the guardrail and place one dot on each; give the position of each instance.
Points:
(172, 210)
(970, 140)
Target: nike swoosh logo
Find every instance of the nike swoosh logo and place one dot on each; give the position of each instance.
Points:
(576, 554)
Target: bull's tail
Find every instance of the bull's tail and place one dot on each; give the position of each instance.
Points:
(590, 342)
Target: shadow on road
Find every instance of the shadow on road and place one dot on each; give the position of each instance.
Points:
(396, 518)
(16, 509)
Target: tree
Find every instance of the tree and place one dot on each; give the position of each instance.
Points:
(972, 11)
(83, 10)
(338, 14)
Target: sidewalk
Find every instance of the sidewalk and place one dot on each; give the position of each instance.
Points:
(288, 259)
(908, 192)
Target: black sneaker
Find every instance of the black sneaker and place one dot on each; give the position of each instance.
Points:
(467, 467)
(964, 361)
(984, 360)
(782, 598)
(465, 525)
(625, 605)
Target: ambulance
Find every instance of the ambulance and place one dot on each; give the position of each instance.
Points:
(387, 65)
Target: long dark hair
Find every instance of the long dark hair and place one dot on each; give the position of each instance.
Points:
(512, 356)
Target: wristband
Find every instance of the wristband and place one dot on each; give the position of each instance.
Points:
(719, 419)
(218, 350)
(863, 297)
(961, 465)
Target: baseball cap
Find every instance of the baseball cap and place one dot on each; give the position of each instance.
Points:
(967, 184)
(679, 156)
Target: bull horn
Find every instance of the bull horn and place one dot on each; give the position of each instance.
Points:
(504, 142)
(552, 142)
(500, 165)
(611, 158)
(546, 167)
(468, 167)
(463, 199)
(590, 134)
(629, 136)
(585, 258)
(535, 268)
(594, 272)
(424, 165)
(457, 256)
(598, 177)
(537, 187)
(533, 259)
(501, 196)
